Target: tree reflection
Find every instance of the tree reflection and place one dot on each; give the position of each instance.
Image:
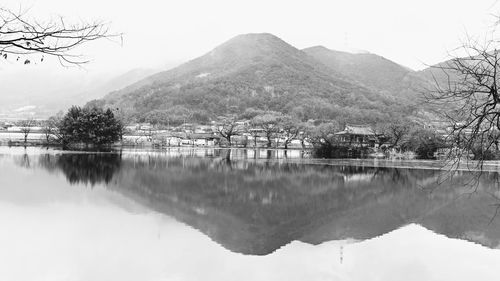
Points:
(24, 160)
(88, 169)
(255, 206)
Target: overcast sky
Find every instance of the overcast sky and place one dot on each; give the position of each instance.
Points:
(163, 32)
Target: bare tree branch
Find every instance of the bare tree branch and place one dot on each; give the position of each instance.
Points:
(21, 38)
(466, 89)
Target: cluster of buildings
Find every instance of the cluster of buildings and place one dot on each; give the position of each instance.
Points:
(199, 135)
(184, 135)
(190, 134)
(207, 135)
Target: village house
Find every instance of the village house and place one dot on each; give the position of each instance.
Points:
(171, 138)
(203, 139)
(358, 136)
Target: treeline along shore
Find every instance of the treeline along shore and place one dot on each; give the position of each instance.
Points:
(93, 127)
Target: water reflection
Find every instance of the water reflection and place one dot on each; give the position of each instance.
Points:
(89, 169)
(255, 206)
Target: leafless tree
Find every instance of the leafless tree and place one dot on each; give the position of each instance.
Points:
(307, 131)
(22, 37)
(227, 128)
(269, 123)
(291, 128)
(466, 93)
(255, 133)
(25, 126)
(49, 129)
(396, 132)
(324, 134)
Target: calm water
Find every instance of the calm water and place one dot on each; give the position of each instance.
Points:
(194, 214)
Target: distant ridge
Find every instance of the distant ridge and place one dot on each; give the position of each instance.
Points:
(373, 71)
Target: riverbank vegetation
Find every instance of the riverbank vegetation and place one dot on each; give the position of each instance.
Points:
(95, 127)
(87, 127)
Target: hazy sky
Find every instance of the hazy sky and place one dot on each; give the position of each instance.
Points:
(164, 32)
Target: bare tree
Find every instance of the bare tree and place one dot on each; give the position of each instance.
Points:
(227, 128)
(269, 123)
(305, 134)
(290, 129)
(324, 134)
(467, 96)
(396, 132)
(49, 128)
(255, 133)
(47, 131)
(22, 37)
(25, 126)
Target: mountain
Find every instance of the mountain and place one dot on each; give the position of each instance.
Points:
(258, 71)
(373, 71)
(441, 73)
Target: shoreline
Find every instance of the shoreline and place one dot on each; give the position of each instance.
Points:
(303, 157)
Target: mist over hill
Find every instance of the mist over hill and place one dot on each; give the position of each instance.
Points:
(261, 71)
(42, 92)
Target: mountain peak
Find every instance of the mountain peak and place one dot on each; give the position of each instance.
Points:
(251, 43)
(245, 50)
(317, 48)
(254, 36)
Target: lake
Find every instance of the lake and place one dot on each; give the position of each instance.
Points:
(204, 214)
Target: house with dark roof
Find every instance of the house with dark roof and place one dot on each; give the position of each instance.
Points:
(358, 135)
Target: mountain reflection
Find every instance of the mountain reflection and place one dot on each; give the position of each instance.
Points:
(256, 206)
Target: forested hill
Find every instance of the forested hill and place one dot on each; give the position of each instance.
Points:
(373, 71)
(261, 71)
